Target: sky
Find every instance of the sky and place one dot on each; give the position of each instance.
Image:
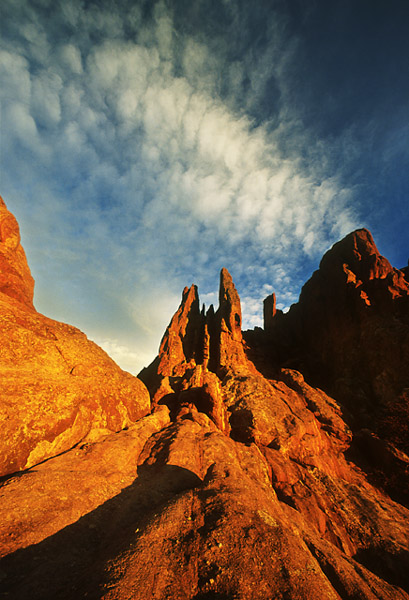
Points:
(147, 144)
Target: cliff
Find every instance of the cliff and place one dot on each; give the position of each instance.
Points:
(271, 464)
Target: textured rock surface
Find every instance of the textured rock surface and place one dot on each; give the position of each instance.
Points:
(349, 334)
(242, 483)
(15, 277)
(350, 329)
(57, 387)
(76, 482)
(198, 515)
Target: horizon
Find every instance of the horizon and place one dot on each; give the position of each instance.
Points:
(144, 146)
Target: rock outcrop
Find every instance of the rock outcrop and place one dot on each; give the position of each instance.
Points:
(349, 334)
(245, 481)
(15, 276)
(57, 387)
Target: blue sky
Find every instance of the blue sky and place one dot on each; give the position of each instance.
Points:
(145, 145)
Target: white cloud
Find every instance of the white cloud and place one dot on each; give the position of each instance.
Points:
(71, 57)
(151, 178)
(14, 76)
(23, 124)
(130, 359)
(45, 98)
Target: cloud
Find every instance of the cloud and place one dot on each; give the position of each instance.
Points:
(124, 356)
(71, 58)
(144, 171)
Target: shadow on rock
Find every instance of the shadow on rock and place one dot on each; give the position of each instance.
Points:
(71, 564)
(393, 567)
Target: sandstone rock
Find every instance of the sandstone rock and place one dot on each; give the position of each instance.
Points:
(269, 311)
(179, 346)
(57, 387)
(15, 277)
(243, 482)
(196, 349)
(201, 519)
(203, 390)
(229, 354)
(349, 334)
(76, 483)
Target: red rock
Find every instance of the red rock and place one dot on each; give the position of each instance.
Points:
(58, 388)
(349, 333)
(226, 330)
(196, 349)
(178, 348)
(269, 311)
(15, 276)
(201, 518)
(76, 483)
(248, 486)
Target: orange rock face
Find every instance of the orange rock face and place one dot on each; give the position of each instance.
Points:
(15, 277)
(57, 387)
(244, 482)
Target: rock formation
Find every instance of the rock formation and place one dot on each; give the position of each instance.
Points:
(15, 277)
(349, 334)
(245, 481)
(57, 387)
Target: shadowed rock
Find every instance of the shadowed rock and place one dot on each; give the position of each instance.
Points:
(349, 334)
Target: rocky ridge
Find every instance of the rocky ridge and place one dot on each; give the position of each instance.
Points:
(349, 335)
(245, 480)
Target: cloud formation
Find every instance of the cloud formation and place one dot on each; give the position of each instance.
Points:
(145, 151)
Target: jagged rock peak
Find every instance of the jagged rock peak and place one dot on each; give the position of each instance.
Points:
(355, 263)
(197, 345)
(349, 334)
(179, 343)
(15, 276)
(189, 306)
(229, 304)
(358, 253)
(269, 311)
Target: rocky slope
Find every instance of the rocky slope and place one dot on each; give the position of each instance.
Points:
(245, 481)
(57, 387)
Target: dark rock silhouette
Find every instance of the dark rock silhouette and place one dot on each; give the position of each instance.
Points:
(349, 335)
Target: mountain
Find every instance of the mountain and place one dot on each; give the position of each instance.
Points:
(266, 464)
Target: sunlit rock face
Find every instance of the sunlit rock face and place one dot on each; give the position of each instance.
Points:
(15, 277)
(57, 387)
(245, 480)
